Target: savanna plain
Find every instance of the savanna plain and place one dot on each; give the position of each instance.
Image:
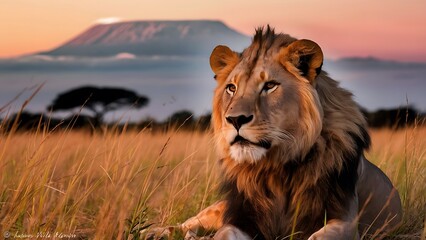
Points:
(115, 182)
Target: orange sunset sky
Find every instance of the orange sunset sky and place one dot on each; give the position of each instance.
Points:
(387, 29)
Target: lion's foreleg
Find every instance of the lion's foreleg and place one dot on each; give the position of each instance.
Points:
(229, 232)
(208, 220)
(204, 223)
(341, 229)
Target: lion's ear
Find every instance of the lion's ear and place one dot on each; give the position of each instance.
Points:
(306, 56)
(222, 57)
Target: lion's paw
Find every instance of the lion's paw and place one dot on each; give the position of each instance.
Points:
(192, 236)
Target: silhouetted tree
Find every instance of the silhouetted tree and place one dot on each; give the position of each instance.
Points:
(393, 118)
(27, 121)
(99, 101)
(203, 122)
(183, 118)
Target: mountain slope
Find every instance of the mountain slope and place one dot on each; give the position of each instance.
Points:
(148, 38)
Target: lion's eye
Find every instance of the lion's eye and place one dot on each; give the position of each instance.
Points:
(231, 89)
(270, 86)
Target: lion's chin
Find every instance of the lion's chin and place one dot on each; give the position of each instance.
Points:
(247, 153)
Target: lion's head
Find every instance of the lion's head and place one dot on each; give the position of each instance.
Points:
(271, 99)
(266, 98)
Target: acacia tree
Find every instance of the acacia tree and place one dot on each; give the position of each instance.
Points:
(97, 100)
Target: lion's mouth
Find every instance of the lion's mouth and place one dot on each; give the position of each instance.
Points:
(242, 141)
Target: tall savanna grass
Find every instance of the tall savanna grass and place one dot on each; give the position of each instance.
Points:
(107, 184)
(112, 183)
(401, 154)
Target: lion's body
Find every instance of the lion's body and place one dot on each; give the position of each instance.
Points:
(291, 144)
(379, 203)
(379, 209)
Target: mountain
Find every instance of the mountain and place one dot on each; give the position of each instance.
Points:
(151, 38)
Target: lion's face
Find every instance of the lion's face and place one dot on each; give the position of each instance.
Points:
(264, 103)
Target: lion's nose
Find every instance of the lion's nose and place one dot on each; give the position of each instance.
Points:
(239, 121)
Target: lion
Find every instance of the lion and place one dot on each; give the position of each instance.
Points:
(291, 143)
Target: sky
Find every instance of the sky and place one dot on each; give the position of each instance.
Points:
(386, 29)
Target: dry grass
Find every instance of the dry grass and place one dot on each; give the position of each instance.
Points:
(110, 184)
(402, 156)
(102, 184)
